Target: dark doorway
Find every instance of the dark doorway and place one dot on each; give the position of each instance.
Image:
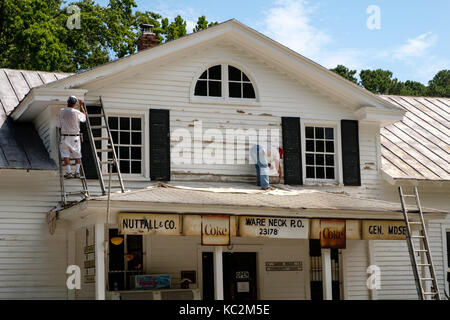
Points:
(208, 276)
(239, 276)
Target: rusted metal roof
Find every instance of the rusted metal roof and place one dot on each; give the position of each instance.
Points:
(418, 148)
(20, 144)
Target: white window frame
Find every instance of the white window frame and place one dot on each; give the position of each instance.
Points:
(225, 99)
(145, 174)
(337, 148)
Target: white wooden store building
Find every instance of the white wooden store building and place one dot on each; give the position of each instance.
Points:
(346, 151)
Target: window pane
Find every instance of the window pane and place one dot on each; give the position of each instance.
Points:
(330, 173)
(124, 138)
(136, 153)
(320, 146)
(329, 133)
(125, 166)
(309, 159)
(115, 137)
(309, 132)
(330, 160)
(310, 173)
(310, 145)
(124, 153)
(201, 88)
(215, 73)
(330, 146)
(320, 133)
(234, 74)
(320, 172)
(95, 121)
(136, 123)
(113, 123)
(136, 138)
(235, 90)
(124, 123)
(215, 89)
(136, 167)
(204, 75)
(244, 77)
(249, 91)
(320, 160)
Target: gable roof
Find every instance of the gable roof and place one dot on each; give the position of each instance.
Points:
(246, 37)
(20, 144)
(418, 147)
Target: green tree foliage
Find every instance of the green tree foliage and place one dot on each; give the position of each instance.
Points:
(34, 33)
(345, 72)
(203, 24)
(175, 29)
(439, 86)
(382, 82)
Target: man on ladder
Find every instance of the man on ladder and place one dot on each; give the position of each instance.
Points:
(70, 144)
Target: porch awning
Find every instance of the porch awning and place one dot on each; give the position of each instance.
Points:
(280, 198)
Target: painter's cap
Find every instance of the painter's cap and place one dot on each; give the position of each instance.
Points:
(72, 100)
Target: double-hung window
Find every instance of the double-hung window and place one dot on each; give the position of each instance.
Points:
(127, 135)
(320, 153)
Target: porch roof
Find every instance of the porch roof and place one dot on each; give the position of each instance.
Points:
(282, 197)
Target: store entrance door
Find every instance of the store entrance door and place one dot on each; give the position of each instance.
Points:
(239, 276)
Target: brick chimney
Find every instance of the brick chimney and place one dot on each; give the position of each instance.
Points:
(147, 39)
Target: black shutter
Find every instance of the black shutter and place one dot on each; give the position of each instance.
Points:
(292, 151)
(88, 159)
(159, 145)
(350, 153)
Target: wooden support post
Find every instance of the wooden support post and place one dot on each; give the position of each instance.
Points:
(326, 275)
(218, 273)
(99, 261)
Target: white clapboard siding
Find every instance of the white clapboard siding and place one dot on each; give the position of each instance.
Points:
(32, 263)
(87, 291)
(355, 263)
(397, 279)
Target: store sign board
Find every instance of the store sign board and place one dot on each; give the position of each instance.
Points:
(332, 234)
(192, 225)
(352, 229)
(273, 227)
(215, 230)
(383, 230)
(149, 224)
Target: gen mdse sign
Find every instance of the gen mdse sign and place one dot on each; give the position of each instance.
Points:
(273, 227)
(383, 230)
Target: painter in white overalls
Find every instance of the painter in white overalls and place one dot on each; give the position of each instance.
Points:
(70, 146)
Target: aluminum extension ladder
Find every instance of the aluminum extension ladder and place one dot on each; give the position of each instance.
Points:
(424, 251)
(104, 153)
(84, 192)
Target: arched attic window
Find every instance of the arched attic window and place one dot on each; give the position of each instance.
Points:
(224, 81)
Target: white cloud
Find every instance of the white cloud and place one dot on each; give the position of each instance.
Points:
(416, 47)
(289, 23)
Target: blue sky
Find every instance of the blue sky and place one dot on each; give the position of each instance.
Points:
(413, 40)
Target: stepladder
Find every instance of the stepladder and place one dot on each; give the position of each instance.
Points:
(103, 150)
(77, 190)
(419, 247)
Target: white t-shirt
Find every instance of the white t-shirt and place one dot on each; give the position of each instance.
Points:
(69, 120)
(262, 158)
(273, 159)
